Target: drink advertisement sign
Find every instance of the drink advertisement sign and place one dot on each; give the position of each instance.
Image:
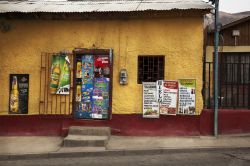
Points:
(19, 93)
(168, 104)
(102, 66)
(150, 104)
(187, 96)
(60, 75)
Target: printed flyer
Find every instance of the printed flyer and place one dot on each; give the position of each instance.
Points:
(187, 96)
(100, 98)
(102, 66)
(60, 75)
(19, 93)
(159, 90)
(87, 69)
(150, 105)
(168, 105)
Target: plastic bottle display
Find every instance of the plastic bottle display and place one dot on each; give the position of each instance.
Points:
(78, 70)
(78, 93)
(14, 96)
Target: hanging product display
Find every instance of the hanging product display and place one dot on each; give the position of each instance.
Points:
(87, 85)
(60, 75)
(168, 97)
(150, 104)
(101, 98)
(19, 93)
(93, 99)
(187, 97)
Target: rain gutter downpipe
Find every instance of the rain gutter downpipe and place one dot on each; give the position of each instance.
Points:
(216, 43)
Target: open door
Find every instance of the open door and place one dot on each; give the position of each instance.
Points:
(93, 83)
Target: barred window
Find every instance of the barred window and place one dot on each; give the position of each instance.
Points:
(150, 68)
(235, 68)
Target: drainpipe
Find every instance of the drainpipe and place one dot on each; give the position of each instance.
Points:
(216, 43)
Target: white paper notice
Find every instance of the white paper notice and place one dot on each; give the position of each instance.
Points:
(150, 105)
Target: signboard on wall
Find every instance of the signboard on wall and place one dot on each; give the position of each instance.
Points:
(19, 93)
(60, 75)
(168, 104)
(150, 104)
(187, 97)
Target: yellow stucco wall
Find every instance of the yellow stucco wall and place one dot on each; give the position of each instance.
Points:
(179, 39)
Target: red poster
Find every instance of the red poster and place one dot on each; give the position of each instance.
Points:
(102, 65)
(168, 106)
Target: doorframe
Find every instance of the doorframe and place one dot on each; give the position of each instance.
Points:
(86, 51)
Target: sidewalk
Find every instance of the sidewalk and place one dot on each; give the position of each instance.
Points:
(47, 147)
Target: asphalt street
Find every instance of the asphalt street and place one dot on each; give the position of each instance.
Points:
(218, 158)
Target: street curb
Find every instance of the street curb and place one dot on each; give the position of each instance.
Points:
(122, 152)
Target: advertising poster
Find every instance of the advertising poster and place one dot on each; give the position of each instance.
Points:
(87, 85)
(82, 110)
(87, 69)
(159, 90)
(87, 92)
(102, 66)
(19, 93)
(168, 106)
(100, 98)
(60, 75)
(187, 96)
(150, 104)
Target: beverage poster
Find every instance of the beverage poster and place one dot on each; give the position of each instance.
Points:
(19, 93)
(187, 96)
(102, 65)
(60, 75)
(168, 106)
(150, 104)
(100, 98)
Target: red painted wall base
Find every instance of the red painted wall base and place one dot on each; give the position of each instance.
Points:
(230, 122)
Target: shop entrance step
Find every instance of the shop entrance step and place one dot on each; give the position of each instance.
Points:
(79, 130)
(87, 137)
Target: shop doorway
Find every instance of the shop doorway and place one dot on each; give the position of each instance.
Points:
(92, 83)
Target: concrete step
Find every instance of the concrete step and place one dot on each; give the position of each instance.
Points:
(81, 149)
(85, 141)
(96, 131)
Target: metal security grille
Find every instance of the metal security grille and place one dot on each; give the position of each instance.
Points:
(51, 103)
(150, 68)
(234, 80)
(208, 85)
